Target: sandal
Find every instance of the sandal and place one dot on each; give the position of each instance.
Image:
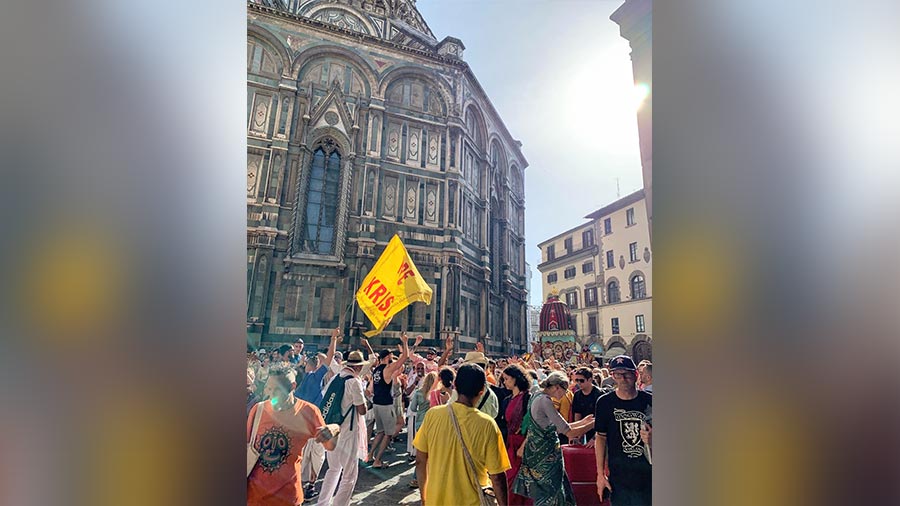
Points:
(414, 484)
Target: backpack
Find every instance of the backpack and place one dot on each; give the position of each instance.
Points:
(331, 402)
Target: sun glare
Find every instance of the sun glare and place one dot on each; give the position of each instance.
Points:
(641, 92)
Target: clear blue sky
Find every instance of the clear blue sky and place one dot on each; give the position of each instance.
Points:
(560, 76)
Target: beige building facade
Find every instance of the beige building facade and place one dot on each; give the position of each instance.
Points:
(603, 270)
(569, 263)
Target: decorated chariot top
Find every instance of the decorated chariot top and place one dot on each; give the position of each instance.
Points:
(556, 319)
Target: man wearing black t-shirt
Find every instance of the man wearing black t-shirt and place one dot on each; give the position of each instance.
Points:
(585, 400)
(618, 417)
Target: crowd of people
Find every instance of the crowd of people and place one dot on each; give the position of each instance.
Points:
(479, 430)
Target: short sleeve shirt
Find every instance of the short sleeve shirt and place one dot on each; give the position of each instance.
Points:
(280, 438)
(449, 481)
(620, 421)
(584, 405)
(311, 388)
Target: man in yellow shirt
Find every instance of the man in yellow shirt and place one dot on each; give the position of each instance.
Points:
(441, 456)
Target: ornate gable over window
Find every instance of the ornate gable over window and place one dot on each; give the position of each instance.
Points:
(342, 19)
(398, 21)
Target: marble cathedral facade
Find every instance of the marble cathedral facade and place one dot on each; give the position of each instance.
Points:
(360, 125)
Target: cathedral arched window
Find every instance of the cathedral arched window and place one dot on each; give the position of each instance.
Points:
(498, 160)
(320, 215)
(612, 292)
(474, 127)
(515, 176)
(638, 287)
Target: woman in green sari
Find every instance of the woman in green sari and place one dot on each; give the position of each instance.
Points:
(542, 476)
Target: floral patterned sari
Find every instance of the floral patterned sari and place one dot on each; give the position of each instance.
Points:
(542, 476)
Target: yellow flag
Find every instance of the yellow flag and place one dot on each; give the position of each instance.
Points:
(392, 284)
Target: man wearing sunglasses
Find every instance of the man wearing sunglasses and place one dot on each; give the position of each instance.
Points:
(618, 419)
(585, 399)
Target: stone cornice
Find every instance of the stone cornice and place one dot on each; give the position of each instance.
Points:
(590, 251)
(360, 37)
(514, 144)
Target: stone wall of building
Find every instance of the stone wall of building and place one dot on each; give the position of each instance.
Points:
(360, 126)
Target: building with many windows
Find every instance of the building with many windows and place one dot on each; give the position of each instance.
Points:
(361, 124)
(569, 263)
(602, 270)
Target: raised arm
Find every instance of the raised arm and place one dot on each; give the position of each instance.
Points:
(416, 344)
(448, 349)
(404, 354)
(365, 343)
(335, 340)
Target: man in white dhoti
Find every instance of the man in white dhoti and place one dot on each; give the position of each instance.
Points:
(351, 444)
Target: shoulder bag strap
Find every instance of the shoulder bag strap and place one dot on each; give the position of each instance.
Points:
(259, 409)
(471, 466)
(484, 399)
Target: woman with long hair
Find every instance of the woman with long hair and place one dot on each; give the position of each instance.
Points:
(517, 380)
(444, 390)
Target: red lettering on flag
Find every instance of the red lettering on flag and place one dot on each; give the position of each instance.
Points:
(371, 284)
(379, 291)
(386, 304)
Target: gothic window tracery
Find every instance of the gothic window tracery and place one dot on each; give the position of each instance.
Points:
(320, 215)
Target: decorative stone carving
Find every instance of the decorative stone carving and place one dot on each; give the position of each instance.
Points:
(434, 104)
(260, 113)
(331, 118)
(431, 206)
(394, 141)
(412, 154)
(390, 196)
(411, 199)
(253, 163)
(341, 19)
(433, 148)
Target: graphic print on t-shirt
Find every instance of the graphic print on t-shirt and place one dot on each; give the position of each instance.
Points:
(630, 428)
(274, 446)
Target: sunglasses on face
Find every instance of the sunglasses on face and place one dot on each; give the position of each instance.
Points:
(579, 380)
